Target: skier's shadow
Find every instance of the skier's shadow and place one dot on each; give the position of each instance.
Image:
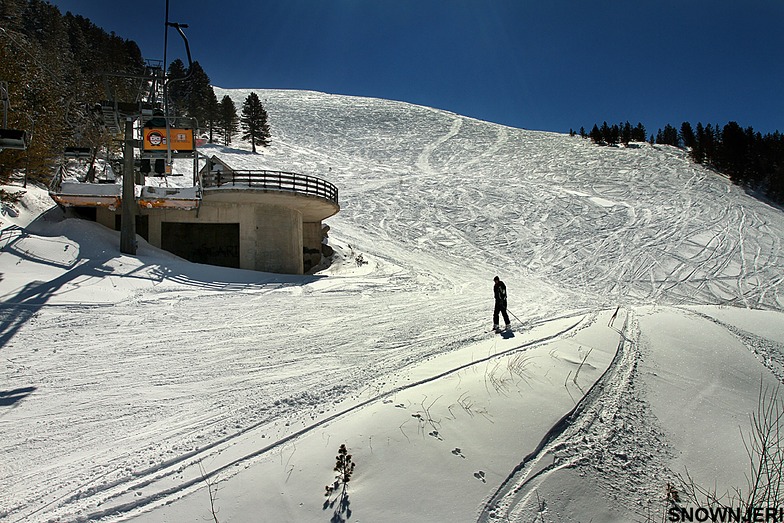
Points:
(8, 398)
(507, 334)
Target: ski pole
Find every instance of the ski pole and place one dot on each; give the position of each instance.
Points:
(515, 315)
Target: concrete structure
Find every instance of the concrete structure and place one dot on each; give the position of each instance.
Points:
(260, 220)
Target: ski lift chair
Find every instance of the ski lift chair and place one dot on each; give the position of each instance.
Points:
(79, 153)
(10, 138)
(14, 139)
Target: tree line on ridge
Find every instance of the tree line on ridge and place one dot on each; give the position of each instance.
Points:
(749, 158)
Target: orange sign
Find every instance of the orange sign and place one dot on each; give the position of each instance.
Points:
(155, 139)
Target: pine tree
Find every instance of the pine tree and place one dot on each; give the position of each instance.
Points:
(626, 134)
(615, 134)
(774, 175)
(344, 466)
(228, 124)
(606, 133)
(254, 122)
(733, 157)
(668, 136)
(213, 114)
(698, 150)
(54, 65)
(177, 87)
(639, 134)
(596, 134)
(199, 90)
(709, 145)
(757, 157)
(687, 135)
(11, 12)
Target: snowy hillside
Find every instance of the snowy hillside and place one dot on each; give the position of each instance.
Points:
(609, 223)
(130, 383)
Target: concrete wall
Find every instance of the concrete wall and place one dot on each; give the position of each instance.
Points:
(105, 217)
(277, 229)
(278, 240)
(311, 244)
(311, 235)
(270, 237)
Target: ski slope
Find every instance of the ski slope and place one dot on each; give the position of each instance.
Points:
(128, 381)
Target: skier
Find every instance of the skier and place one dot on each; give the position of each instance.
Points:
(499, 291)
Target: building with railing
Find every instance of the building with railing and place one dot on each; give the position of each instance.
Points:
(260, 220)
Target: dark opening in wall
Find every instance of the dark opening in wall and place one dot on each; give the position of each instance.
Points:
(210, 243)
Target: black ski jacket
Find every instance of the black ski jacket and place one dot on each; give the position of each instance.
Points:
(499, 290)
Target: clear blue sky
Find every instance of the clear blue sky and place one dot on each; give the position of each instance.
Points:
(544, 64)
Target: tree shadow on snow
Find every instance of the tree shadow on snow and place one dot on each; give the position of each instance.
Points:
(82, 261)
(25, 304)
(759, 195)
(341, 505)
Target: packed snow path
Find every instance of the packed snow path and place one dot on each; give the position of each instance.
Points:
(121, 367)
(429, 431)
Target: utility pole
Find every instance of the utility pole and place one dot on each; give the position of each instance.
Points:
(128, 226)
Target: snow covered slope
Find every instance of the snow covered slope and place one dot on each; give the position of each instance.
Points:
(612, 224)
(122, 373)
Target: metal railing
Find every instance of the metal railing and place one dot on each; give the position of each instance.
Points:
(273, 180)
(56, 185)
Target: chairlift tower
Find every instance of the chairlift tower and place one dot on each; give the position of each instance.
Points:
(153, 140)
(147, 127)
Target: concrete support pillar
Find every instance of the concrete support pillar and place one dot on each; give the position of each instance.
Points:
(311, 243)
(105, 217)
(154, 225)
(311, 235)
(129, 206)
(278, 245)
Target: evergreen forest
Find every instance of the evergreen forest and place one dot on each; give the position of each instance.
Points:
(56, 70)
(749, 158)
(59, 68)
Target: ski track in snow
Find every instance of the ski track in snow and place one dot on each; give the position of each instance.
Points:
(610, 439)
(437, 203)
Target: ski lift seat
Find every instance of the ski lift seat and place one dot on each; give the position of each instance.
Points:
(78, 152)
(13, 139)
